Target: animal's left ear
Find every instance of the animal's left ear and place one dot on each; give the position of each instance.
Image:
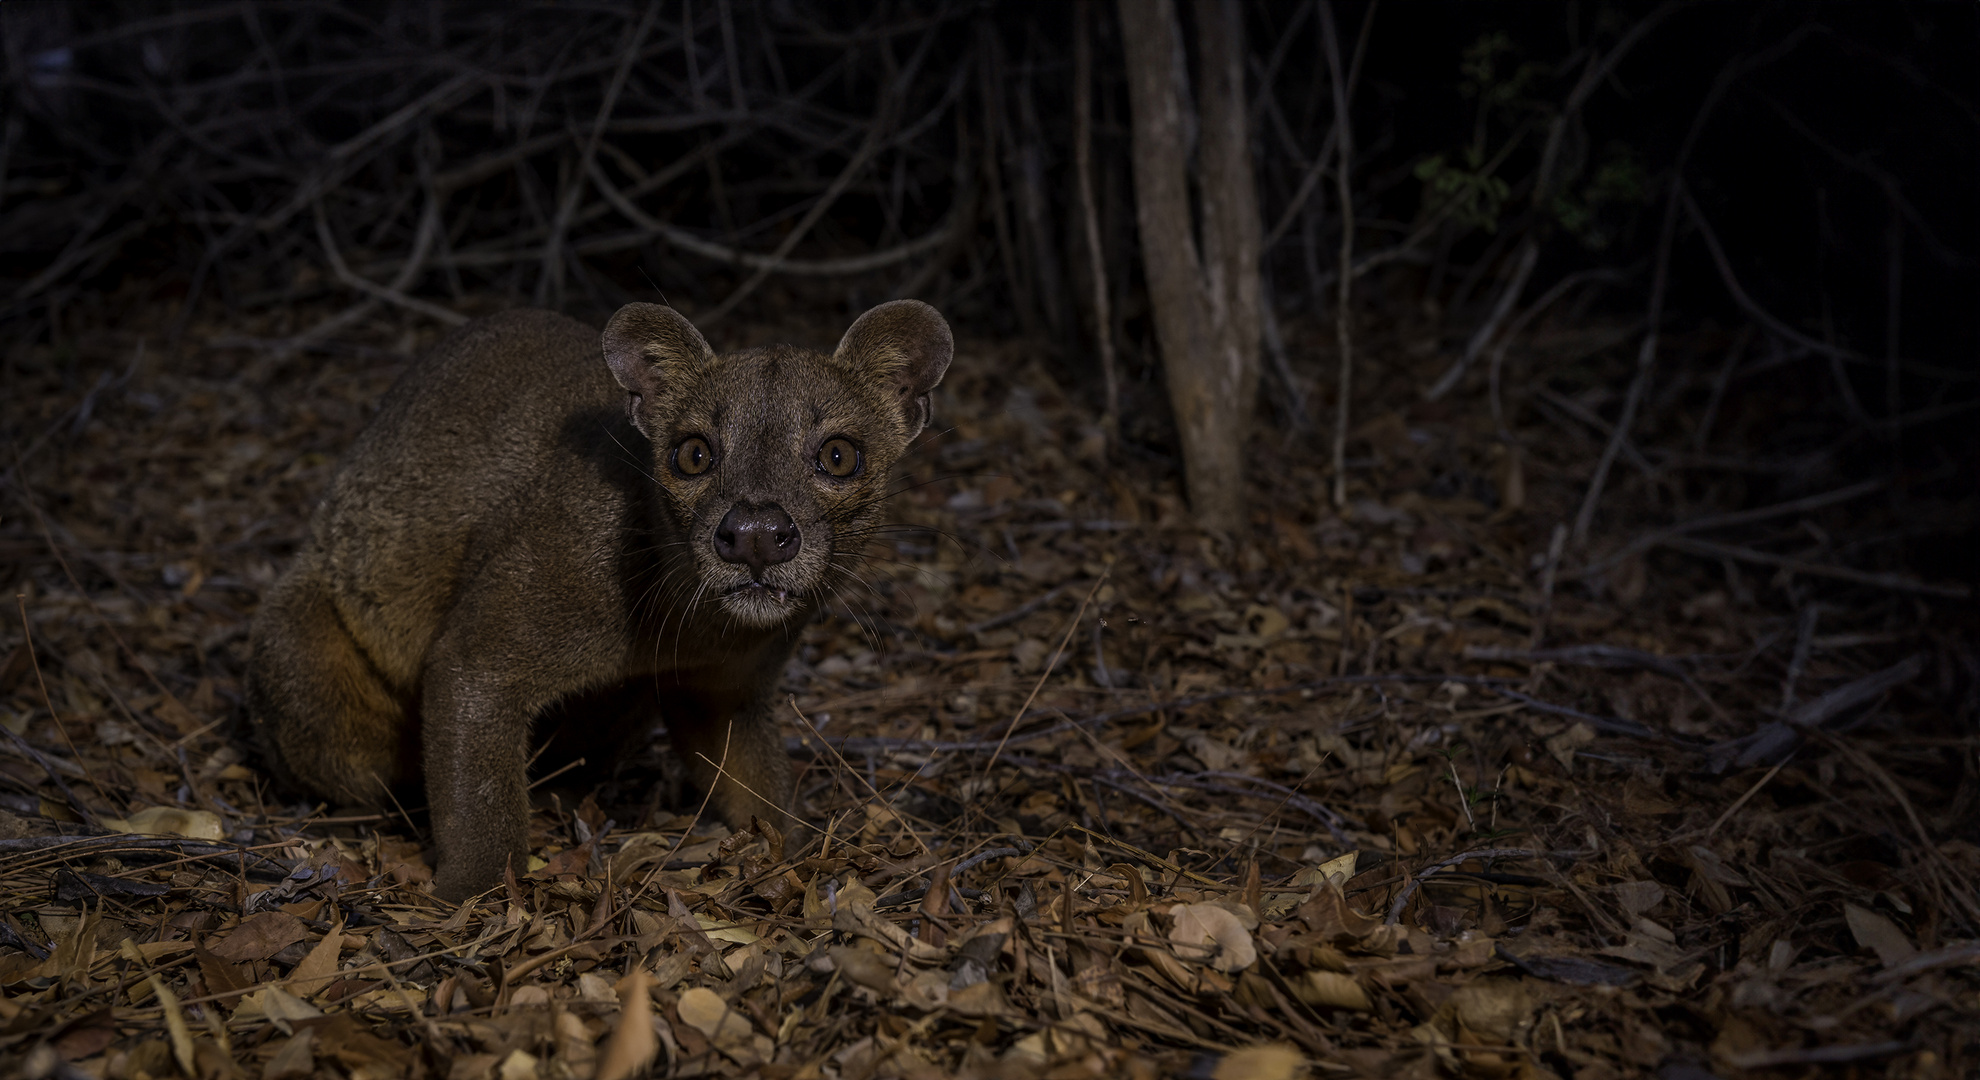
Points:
(907, 346)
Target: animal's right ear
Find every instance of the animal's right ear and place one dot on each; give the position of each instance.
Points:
(648, 346)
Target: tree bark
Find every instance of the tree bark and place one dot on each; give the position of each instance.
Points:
(1231, 226)
(1206, 304)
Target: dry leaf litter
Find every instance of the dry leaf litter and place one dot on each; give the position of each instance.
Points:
(1384, 792)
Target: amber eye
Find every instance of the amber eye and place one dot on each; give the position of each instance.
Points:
(839, 458)
(693, 457)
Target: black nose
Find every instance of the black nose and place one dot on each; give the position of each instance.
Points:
(759, 535)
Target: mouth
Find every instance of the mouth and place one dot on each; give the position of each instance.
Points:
(755, 604)
(750, 591)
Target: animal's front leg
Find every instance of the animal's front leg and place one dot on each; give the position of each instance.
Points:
(736, 754)
(476, 743)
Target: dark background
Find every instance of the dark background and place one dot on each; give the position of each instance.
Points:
(160, 161)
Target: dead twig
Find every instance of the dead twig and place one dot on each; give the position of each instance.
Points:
(393, 293)
(883, 119)
(550, 281)
(1775, 740)
(1893, 582)
(1049, 667)
(1344, 186)
(1103, 319)
(1706, 522)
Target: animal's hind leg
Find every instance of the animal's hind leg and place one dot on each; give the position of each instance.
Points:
(324, 719)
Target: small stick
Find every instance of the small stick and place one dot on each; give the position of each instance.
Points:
(1347, 631)
(1463, 802)
(880, 745)
(989, 80)
(1529, 255)
(1554, 546)
(1275, 345)
(730, 57)
(835, 267)
(1894, 313)
(1047, 673)
(1780, 329)
(1646, 356)
(1963, 891)
(429, 227)
(1016, 613)
(1083, 164)
(1646, 360)
(1331, 143)
(1750, 792)
(1106, 677)
(883, 122)
(1704, 433)
(1597, 69)
(48, 767)
(1547, 299)
(1738, 517)
(1804, 639)
(550, 284)
(20, 601)
(847, 766)
(1893, 582)
(647, 882)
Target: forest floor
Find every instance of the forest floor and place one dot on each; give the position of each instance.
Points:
(1382, 792)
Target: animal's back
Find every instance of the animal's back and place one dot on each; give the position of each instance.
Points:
(476, 424)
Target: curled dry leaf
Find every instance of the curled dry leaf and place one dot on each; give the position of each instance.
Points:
(855, 915)
(1273, 1062)
(175, 1017)
(1637, 897)
(632, 1045)
(1328, 914)
(1494, 1008)
(260, 937)
(276, 1005)
(704, 1010)
(1879, 934)
(1212, 934)
(1564, 745)
(170, 821)
(314, 972)
(861, 966)
(295, 1058)
(1332, 989)
(1335, 872)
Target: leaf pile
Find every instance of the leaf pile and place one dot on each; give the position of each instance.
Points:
(1384, 792)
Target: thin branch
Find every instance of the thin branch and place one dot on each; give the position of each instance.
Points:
(1343, 334)
(1598, 68)
(890, 105)
(550, 282)
(1103, 319)
(1801, 505)
(689, 242)
(429, 227)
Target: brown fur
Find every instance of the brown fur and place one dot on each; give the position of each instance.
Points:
(510, 544)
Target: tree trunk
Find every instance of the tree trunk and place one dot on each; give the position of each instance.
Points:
(1231, 228)
(1206, 306)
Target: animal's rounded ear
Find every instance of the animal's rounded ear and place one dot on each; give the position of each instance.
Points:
(647, 344)
(907, 344)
